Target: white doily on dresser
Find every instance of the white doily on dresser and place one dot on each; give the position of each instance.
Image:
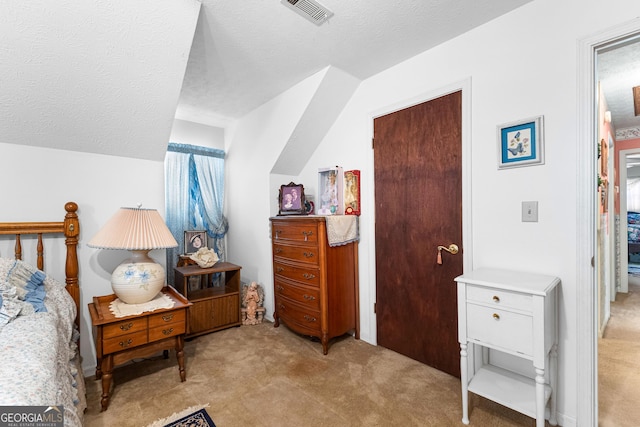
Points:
(122, 309)
(342, 229)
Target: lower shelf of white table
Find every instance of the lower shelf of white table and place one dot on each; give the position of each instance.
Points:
(507, 388)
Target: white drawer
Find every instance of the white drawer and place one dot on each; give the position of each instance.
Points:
(499, 298)
(500, 329)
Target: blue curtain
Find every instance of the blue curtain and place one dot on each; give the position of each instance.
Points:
(194, 194)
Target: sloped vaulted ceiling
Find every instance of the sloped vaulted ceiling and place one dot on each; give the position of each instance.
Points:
(93, 76)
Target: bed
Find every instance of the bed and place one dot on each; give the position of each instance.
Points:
(39, 352)
(633, 235)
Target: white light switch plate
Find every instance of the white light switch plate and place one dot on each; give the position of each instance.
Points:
(529, 211)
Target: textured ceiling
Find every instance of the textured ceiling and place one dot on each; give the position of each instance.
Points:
(618, 69)
(246, 52)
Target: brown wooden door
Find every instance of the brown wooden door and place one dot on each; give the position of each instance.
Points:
(418, 197)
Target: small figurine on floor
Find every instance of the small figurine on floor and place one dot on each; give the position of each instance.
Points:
(252, 297)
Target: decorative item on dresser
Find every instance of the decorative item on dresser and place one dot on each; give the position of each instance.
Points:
(137, 279)
(39, 357)
(315, 284)
(214, 293)
(514, 313)
(135, 333)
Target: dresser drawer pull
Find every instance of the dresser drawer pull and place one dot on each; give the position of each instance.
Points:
(281, 306)
(167, 317)
(167, 331)
(308, 276)
(308, 297)
(308, 254)
(279, 288)
(125, 344)
(306, 235)
(277, 233)
(496, 298)
(279, 269)
(309, 318)
(278, 250)
(496, 316)
(126, 327)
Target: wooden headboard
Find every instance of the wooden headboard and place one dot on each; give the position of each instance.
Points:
(70, 227)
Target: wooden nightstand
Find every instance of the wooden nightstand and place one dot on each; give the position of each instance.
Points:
(121, 339)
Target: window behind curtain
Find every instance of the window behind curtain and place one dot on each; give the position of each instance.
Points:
(194, 194)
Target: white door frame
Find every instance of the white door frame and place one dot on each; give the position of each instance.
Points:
(587, 327)
(624, 248)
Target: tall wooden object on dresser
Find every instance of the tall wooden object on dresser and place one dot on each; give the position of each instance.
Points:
(214, 307)
(514, 313)
(315, 285)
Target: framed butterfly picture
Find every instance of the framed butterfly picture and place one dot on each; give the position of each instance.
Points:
(521, 143)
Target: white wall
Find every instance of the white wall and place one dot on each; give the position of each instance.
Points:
(37, 182)
(187, 132)
(521, 65)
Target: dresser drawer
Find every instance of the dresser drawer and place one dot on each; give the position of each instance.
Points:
(308, 297)
(295, 232)
(500, 328)
(161, 319)
(499, 298)
(291, 312)
(166, 331)
(306, 254)
(125, 327)
(115, 344)
(307, 275)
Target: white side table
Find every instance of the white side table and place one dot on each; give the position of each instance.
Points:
(515, 313)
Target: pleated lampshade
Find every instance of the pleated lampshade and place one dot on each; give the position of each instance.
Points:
(134, 229)
(138, 279)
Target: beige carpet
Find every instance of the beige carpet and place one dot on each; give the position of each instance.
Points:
(619, 362)
(265, 376)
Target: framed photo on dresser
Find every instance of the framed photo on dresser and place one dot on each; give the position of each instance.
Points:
(291, 200)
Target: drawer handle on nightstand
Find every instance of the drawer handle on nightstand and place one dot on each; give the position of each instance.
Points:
(309, 318)
(167, 317)
(306, 235)
(308, 297)
(278, 250)
(308, 254)
(496, 316)
(126, 327)
(126, 343)
(496, 298)
(167, 331)
(279, 288)
(279, 269)
(308, 276)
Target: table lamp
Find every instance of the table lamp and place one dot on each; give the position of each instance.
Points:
(138, 279)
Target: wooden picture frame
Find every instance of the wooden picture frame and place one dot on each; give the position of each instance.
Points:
(330, 188)
(291, 200)
(352, 192)
(194, 240)
(521, 143)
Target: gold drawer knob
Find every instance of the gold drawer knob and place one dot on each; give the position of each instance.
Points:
(125, 344)
(308, 297)
(126, 326)
(167, 317)
(309, 318)
(167, 331)
(496, 316)
(308, 254)
(496, 298)
(308, 276)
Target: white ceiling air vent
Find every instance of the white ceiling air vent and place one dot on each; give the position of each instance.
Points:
(310, 9)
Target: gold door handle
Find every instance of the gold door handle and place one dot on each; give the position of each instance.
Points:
(452, 249)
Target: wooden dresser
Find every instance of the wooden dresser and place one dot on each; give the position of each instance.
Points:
(315, 285)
